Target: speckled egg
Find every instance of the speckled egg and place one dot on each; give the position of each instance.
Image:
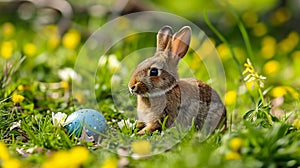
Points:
(88, 120)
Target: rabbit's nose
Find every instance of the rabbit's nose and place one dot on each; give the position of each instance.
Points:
(132, 89)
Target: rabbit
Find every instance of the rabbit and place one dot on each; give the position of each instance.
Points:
(163, 97)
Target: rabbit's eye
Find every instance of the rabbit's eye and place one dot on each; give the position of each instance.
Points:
(153, 72)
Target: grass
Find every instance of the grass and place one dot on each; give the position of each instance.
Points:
(264, 123)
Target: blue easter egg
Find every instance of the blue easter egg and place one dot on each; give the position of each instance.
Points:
(91, 120)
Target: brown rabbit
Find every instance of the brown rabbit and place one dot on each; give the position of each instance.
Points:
(160, 92)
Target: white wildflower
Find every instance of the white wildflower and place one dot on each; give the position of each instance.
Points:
(15, 125)
(125, 123)
(58, 119)
(67, 74)
(112, 62)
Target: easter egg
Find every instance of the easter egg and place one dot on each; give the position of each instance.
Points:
(89, 121)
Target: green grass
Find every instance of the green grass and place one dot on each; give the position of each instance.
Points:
(263, 122)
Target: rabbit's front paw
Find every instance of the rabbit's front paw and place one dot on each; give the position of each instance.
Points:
(150, 127)
(140, 125)
(144, 131)
(141, 132)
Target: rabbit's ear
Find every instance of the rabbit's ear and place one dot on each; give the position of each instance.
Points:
(181, 41)
(164, 38)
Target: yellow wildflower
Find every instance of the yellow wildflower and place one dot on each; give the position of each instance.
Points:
(249, 67)
(294, 37)
(259, 29)
(289, 43)
(230, 97)
(29, 49)
(278, 91)
(296, 123)
(64, 84)
(50, 29)
(16, 98)
(8, 30)
(141, 147)
(250, 18)
(232, 156)
(293, 92)
(79, 97)
(280, 16)
(268, 49)
(21, 87)
(65, 159)
(7, 49)
(271, 67)
(224, 51)
(6, 160)
(110, 163)
(52, 34)
(58, 159)
(251, 85)
(296, 55)
(283, 90)
(79, 155)
(4, 155)
(53, 41)
(71, 39)
(252, 75)
(235, 144)
(12, 162)
(205, 48)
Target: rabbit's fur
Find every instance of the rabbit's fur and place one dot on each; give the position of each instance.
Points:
(160, 92)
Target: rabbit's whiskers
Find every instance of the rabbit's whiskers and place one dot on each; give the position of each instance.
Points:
(160, 92)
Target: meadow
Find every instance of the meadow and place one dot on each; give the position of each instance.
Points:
(81, 54)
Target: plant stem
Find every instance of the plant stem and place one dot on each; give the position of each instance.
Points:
(261, 96)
